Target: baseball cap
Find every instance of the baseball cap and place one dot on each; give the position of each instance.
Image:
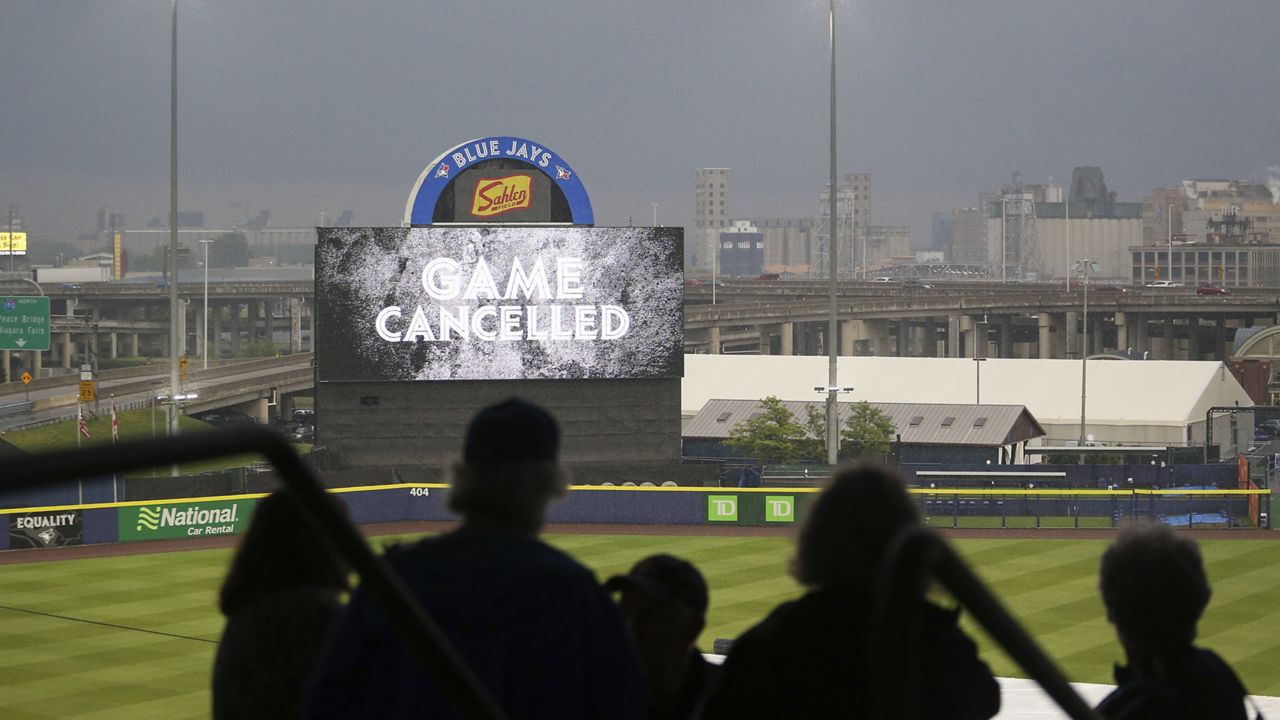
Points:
(513, 431)
(665, 578)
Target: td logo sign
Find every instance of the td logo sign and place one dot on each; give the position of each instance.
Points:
(722, 508)
(779, 508)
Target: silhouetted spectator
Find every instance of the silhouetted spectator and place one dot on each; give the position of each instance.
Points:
(664, 602)
(1154, 588)
(809, 657)
(534, 625)
(280, 598)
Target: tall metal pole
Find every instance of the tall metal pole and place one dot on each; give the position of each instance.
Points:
(175, 342)
(1170, 218)
(1067, 269)
(1004, 204)
(833, 429)
(204, 345)
(1084, 348)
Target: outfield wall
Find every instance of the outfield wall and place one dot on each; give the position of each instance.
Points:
(96, 521)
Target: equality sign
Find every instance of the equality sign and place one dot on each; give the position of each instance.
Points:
(24, 323)
(46, 529)
(483, 303)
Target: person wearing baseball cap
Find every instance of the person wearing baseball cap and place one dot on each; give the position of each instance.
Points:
(664, 602)
(534, 625)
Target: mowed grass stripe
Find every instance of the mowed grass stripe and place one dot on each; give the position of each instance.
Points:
(1051, 585)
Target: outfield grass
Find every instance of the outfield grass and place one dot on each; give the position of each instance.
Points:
(54, 667)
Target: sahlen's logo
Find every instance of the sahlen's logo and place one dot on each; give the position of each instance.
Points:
(495, 196)
(148, 518)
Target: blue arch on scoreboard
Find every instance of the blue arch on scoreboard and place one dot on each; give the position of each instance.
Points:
(420, 209)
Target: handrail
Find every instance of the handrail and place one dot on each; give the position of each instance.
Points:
(916, 554)
(418, 629)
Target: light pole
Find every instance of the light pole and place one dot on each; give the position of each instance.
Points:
(204, 346)
(1170, 218)
(977, 366)
(174, 338)
(833, 432)
(1004, 205)
(1066, 270)
(655, 214)
(1084, 266)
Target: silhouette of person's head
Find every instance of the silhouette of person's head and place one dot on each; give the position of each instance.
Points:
(850, 526)
(664, 602)
(280, 552)
(509, 469)
(1155, 589)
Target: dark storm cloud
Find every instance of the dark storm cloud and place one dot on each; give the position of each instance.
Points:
(326, 104)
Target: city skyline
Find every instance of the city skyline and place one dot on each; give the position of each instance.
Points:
(304, 108)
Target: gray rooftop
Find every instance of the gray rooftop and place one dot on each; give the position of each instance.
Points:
(917, 423)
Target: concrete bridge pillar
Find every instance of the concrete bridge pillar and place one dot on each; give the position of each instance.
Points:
(201, 340)
(8, 368)
(133, 344)
(115, 344)
(1044, 323)
(786, 336)
(953, 336)
(295, 325)
(66, 350)
(713, 340)
(180, 346)
(1071, 332)
(1167, 343)
(846, 336)
(37, 363)
(1139, 336)
(904, 338)
(978, 341)
(236, 328)
(1005, 337)
(1122, 332)
(216, 312)
(254, 312)
(929, 341)
(1097, 334)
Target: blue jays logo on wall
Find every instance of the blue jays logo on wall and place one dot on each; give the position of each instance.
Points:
(492, 196)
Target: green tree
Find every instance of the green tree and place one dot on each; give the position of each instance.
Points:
(868, 432)
(771, 436)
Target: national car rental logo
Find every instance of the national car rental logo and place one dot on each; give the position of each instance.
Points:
(148, 518)
(495, 196)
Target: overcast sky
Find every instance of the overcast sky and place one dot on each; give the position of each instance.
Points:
(303, 106)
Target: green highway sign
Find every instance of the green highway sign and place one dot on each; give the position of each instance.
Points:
(24, 323)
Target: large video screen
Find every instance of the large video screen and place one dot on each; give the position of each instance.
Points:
(489, 303)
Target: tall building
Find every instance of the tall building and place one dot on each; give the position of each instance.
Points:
(711, 215)
(853, 217)
(741, 250)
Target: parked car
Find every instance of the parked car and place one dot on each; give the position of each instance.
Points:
(1270, 427)
(1164, 284)
(226, 418)
(882, 279)
(921, 284)
(304, 417)
(1212, 290)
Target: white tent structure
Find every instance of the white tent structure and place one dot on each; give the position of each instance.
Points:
(1153, 402)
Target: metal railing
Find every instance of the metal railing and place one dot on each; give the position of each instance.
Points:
(415, 626)
(916, 555)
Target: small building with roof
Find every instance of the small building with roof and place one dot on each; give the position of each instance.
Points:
(1157, 402)
(926, 432)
